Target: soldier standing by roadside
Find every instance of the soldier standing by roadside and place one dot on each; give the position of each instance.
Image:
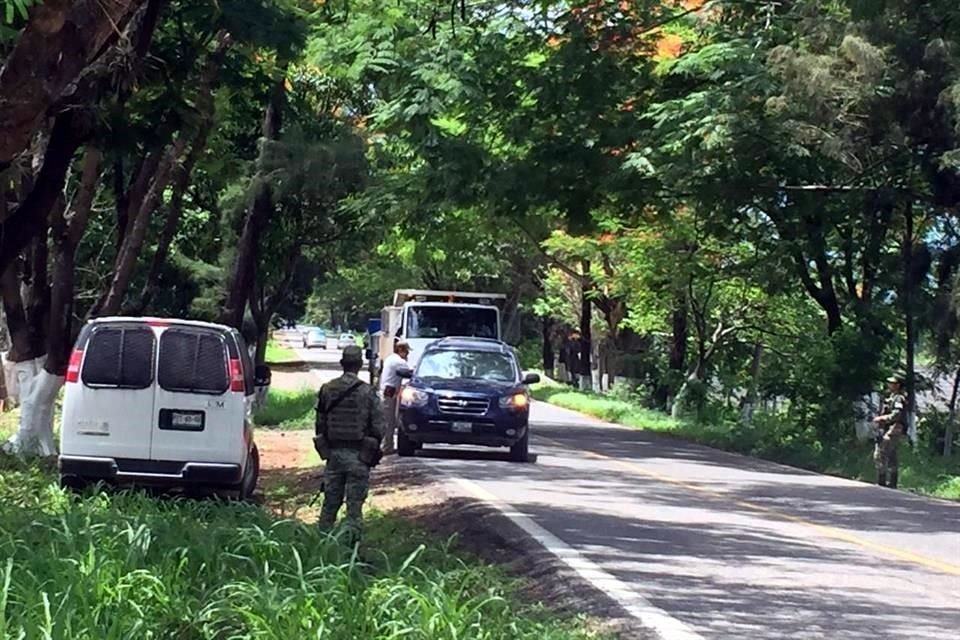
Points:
(891, 426)
(348, 433)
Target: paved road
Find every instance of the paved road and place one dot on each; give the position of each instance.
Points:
(705, 544)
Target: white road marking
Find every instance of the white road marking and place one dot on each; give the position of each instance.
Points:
(659, 621)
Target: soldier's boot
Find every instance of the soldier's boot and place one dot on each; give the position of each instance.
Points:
(893, 479)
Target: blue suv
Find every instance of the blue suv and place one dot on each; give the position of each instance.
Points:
(466, 391)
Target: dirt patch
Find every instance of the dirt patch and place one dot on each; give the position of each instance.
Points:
(284, 449)
(292, 480)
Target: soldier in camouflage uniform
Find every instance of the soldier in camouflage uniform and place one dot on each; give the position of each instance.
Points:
(348, 411)
(891, 426)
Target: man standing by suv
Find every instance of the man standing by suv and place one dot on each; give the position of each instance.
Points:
(389, 388)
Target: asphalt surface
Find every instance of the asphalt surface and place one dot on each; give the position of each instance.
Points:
(727, 546)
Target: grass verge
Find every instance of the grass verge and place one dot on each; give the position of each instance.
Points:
(123, 565)
(280, 354)
(927, 475)
(288, 410)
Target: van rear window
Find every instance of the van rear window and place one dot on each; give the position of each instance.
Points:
(193, 361)
(120, 357)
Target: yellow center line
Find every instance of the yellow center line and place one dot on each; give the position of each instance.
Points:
(824, 530)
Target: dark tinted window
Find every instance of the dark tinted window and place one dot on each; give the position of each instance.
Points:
(119, 357)
(471, 365)
(440, 322)
(193, 361)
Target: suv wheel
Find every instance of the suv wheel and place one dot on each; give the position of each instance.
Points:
(405, 446)
(249, 483)
(520, 452)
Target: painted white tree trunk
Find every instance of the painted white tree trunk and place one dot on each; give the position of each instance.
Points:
(864, 410)
(38, 391)
(13, 391)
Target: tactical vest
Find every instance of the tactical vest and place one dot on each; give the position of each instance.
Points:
(348, 420)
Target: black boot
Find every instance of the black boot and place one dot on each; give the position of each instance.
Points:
(892, 480)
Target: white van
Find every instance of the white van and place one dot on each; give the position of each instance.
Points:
(159, 402)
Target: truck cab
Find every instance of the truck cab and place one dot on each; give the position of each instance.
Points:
(422, 317)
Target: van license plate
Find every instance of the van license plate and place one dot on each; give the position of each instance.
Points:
(461, 427)
(187, 420)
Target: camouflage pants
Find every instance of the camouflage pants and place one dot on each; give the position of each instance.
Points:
(886, 459)
(345, 478)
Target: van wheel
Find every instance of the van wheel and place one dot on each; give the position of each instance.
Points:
(405, 446)
(520, 452)
(250, 477)
(73, 484)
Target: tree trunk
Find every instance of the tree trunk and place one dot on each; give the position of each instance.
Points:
(951, 418)
(67, 233)
(27, 220)
(40, 378)
(678, 348)
(240, 281)
(126, 261)
(181, 177)
(61, 38)
(263, 335)
(183, 168)
(549, 359)
(35, 434)
(750, 401)
(76, 123)
(681, 403)
(586, 330)
(21, 344)
(909, 323)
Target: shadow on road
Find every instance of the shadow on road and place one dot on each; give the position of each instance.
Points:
(721, 566)
(796, 492)
(470, 454)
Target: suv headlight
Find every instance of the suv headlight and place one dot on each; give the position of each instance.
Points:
(410, 397)
(518, 400)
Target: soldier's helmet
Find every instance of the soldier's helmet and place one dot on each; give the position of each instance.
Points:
(895, 378)
(351, 356)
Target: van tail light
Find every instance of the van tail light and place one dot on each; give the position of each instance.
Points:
(236, 376)
(73, 368)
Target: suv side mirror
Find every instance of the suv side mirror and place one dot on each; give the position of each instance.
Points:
(531, 378)
(405, 372)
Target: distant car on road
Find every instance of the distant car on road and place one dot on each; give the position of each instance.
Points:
(315, 338)
(466, 391)
(346, 340)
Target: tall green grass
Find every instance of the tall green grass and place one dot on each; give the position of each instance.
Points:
(776, 441)
(124, 565)
(288, 410)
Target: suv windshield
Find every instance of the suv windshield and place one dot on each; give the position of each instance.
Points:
(441, 322)
(483, 365)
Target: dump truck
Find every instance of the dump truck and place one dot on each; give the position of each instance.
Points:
(421, 317)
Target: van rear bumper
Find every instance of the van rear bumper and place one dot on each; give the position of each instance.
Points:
(155, 472)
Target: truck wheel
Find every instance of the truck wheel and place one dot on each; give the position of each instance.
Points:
(249, 483)
(520, 452)
(405, 446)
